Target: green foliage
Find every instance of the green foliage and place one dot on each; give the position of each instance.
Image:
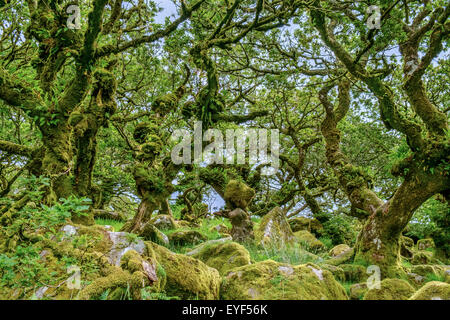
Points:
(292, 254)
(339, 229)
(432, 220)
(117, 225)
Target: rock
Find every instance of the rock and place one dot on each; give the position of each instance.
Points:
(220, 228)
(342, 258)
(303, 223)
(422, 257)
(238, 194)
(39, 294)
(274, 230)
(187, 278)
(133, 262)
(270, 280)
(108, 227)
(415, 279)
(164, 222)
(337, 272)
(152, 233)
(100, 235)
(120, 283)
(434, 290)
(309, 241)
(357, 291)
(354, 272)
(338, 250)
(223, 256)
(390, 289)
(86, 219)
(406, 247)
(136, 271)
(428, 270)
(424, 244)
(200, 247)
(122, 242)
(69, 231)
(187, 237)
(340, 254)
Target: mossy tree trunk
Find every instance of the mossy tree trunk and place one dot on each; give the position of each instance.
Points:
(69, 122)
(424, 172)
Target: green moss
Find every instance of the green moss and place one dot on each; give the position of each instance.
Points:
(357, 291)
(186, 237)
(422, 257)
(187, 278)
(390, 289)
(115, 224)
(434, 290)
(337, 272)
(338, 250)
(309, 241)
(238, 194)
(220, 228)
(424, 244)
(164, 222)
(340, 254)
(354, 272)
(151, 233)
(269, 280)
(224, 256)
(165, 103)
(303, 223)
(116, 279)
(274, 230)
(98, 235)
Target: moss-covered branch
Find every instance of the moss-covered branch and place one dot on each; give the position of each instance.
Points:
(18, 149)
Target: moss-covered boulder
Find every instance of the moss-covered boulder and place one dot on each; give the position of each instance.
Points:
(220, 228)
(354, 272)
(224, 256)
(122, 242)
(302, 223)
(391, 289)
(358, 290)
(427, 270)
(151, 233)
(338, 250)
(340, 254)
(424, 244)
(187, 237)
(422, 257)
(406, 247)
(187, 278)
(238, 195)
(434, 290)
(415, 279)
(274, 230)
(337, 272)
(135, 273)
(309, 241)
(164, 222)
(270, 280)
